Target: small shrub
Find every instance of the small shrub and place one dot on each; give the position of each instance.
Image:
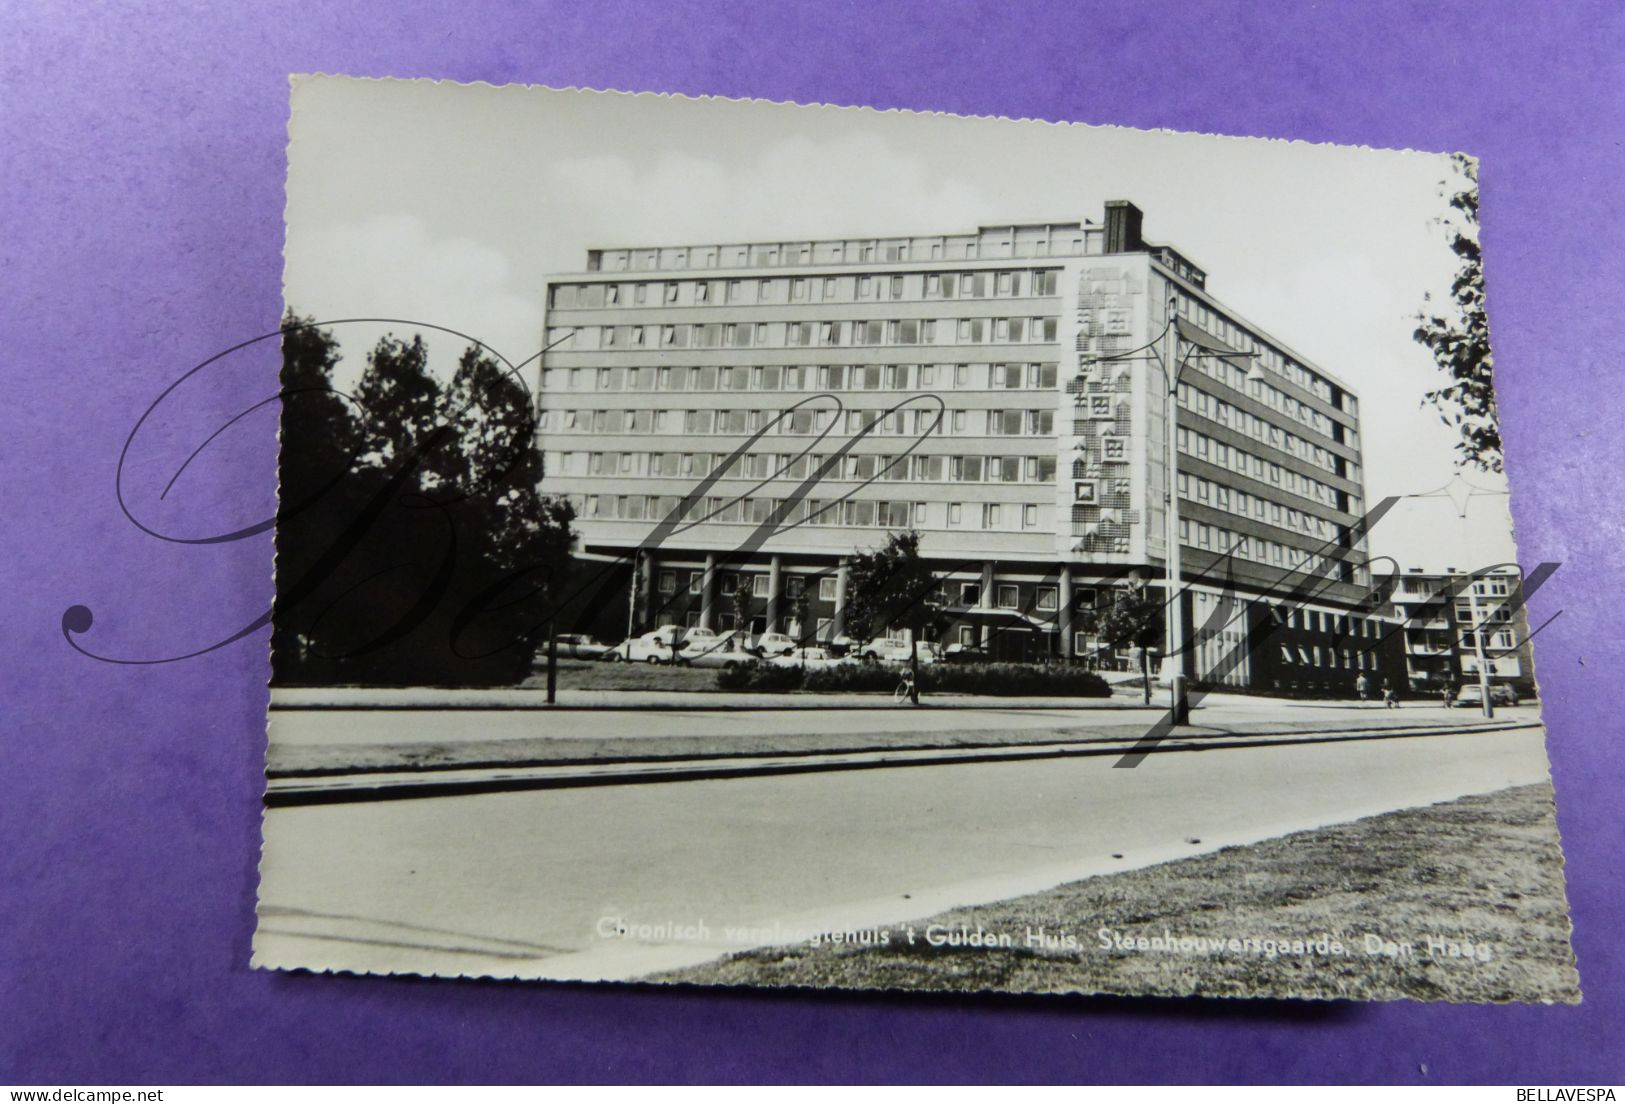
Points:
(993, 679)
(854, 678)
(759, 676)
(1014, 680)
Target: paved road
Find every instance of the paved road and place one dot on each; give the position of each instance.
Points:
(522, 884)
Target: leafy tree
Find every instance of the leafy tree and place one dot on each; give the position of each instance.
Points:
(1459, 336)
(1134, 619)
(320, 438)
(400, 397)
(494, 421)
(424, 553)
(319, 431)
(492, 458)
(892, 587)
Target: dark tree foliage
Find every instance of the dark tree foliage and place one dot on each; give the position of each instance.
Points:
(891, 587)
(399, 398)
(320, 433)
(492, 457)
(413, 547)
(1135, 618)
(1459, 336)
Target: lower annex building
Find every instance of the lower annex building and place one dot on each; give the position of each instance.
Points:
(1450, 618)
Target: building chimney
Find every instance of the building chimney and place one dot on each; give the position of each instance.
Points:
(1123, 227)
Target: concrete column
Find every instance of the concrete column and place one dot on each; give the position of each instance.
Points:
(775, 592)
(1063, 622)
(843, 577)
(708, 591)
(648, 599)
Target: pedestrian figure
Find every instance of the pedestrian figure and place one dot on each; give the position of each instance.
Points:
(905, 687)
(1390, 700)
(1450, 694)
(1362, 688)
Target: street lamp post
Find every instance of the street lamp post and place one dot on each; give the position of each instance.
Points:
(1461, 493)
(1486, 702)
(632, 599)
(552, 618)
(1173, 655)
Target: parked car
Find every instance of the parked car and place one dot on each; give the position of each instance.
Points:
(578, 646)
(719, 657)
(888, 650)
(790, 659)
(1473, 694)
(700, 639)
(705, 648)
(666, 633)
(965, 653)
(774, 644)
(809, 657)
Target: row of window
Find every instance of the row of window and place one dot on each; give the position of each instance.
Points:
(1347, 659)
(1245, 463)
(1234, 377)
(806, 377)
(1420, 590)
(1501, 641)
(916, 422)
(1057, 240)
(909, 286)
(1045, 599)
(731, 581)
(1487, 613)
(1217, 410)
(1242, 504)
(856, 288)
(1337, 624)
(757, 465)
(866, 514)
(1216, 538)
(802, 335)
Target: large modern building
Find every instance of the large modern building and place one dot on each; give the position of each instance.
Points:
(1442, 614)
(760, 411)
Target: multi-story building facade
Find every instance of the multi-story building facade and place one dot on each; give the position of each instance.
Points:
(763, 410)
(1442, 613)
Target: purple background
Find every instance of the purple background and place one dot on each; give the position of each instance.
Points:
(142, 162)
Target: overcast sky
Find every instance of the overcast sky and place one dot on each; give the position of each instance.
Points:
(452, 203)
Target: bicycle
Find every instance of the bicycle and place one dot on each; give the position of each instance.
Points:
(904, 691)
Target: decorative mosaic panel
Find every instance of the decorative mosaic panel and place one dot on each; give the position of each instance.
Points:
(1100, 449)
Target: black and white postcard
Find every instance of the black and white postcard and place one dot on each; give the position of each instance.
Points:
(735, 543)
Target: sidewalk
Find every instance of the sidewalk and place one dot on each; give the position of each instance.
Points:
(374, 698)
(641, 762)
(359, 698)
